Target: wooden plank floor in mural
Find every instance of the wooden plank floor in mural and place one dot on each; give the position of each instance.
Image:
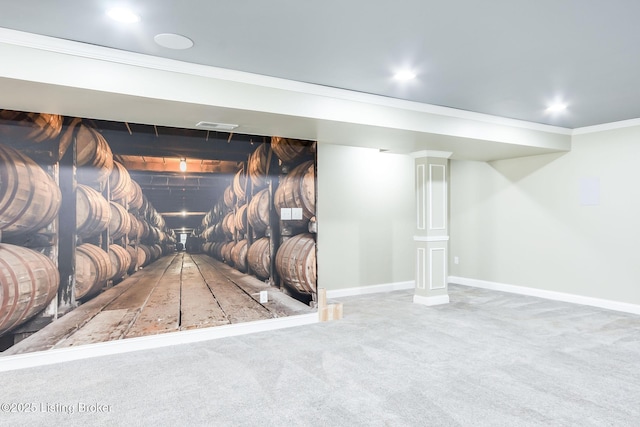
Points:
(178, 292)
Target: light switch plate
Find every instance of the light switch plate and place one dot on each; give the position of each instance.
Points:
(296, 213)
(285, 214)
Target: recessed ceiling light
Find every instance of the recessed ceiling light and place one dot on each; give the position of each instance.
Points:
(557, 107)
(173, 41)
(404, 75)
(121, 14)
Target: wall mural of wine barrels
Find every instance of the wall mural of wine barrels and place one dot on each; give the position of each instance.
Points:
(140, 222)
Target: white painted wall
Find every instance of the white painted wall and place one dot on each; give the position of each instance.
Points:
(521, 221)
(365, 217)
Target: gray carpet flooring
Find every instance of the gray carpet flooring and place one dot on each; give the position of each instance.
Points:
(486, 359)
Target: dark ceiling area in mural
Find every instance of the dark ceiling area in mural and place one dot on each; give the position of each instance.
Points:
(152, 155)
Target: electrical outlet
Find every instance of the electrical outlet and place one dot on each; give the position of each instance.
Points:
(456, 260)
(264, 297)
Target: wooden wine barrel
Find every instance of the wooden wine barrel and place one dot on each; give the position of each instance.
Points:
(209, 219)
(93, 155)
(257, 166)
(134, 229)
(144, 255)
(120, 222)
(93, 212)
(296, 263)
(144, 208)
(208, 234)
(156, 219)
(207, 248)
(93, 268)
(298, 190)
(144, 229)
(133, 255)
(156, 252)
(135, 196)
(210, 248)
(239, 255)
(226, 252)
(217, 250)
(218, 210)
(20, 126)
(29, 198)
(119, 182)
(160, 223)
(229, 225)
(229, 197)
(120, 261)
(218, 231)
(154, 234)
(28, 283)
(239, 184)
(258, 212)
(240, 219)
(289, 150)
(259, 257)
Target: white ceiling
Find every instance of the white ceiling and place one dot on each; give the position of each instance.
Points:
(508, 58)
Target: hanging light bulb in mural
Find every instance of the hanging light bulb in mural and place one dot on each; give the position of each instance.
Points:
(183, 165)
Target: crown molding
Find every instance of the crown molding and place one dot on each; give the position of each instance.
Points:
(606, 126)
(431, 153)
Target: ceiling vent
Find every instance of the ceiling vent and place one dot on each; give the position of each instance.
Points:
(216, 126)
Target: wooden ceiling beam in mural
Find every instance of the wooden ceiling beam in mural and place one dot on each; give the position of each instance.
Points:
(192, 145)
(155, 163)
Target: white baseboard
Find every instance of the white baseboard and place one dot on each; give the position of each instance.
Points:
(552, 295)
(372, 289)
(48, 357)
(429, 301)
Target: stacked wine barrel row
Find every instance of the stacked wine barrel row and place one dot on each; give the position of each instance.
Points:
(94, 161)
(226, 225)
(148, 235)
(92, 264)
(23, 126)
(218, 225)
(297, 190)
(258, 165)
(29, 201)
(296, 256)
(94, 213)
(140, 224)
